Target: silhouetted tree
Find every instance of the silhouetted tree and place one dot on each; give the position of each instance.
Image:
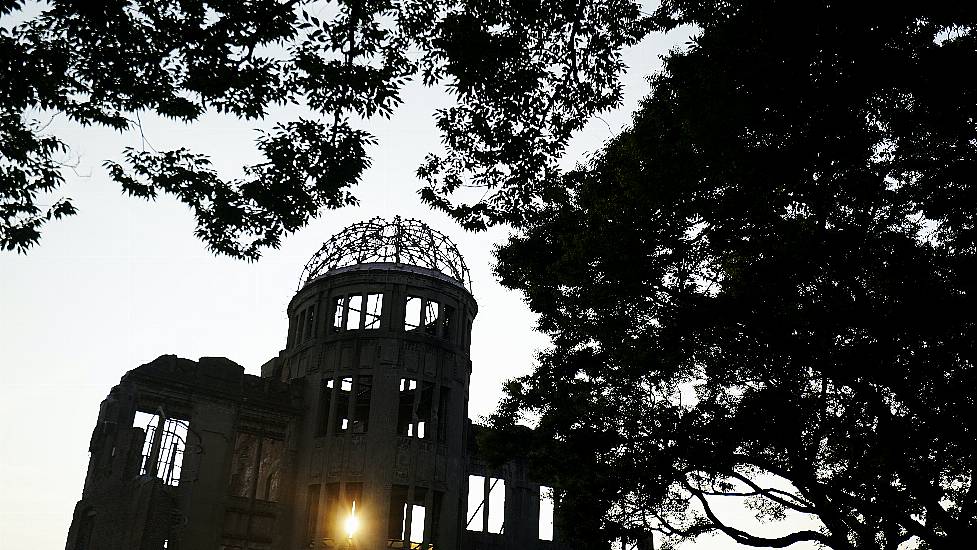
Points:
(524, 75)
(766, 287)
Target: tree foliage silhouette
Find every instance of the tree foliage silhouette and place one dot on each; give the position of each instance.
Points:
(524, 76)
(765, 288)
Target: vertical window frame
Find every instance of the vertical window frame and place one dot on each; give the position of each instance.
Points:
(338, 314)
(358, 324)
(372, 314)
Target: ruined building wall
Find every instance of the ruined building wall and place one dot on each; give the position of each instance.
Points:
(383, 352)
(149, 488)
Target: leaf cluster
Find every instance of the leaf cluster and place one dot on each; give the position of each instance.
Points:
(524, 76)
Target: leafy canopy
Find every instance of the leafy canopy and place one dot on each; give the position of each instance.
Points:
(524, 76)
(765, 289)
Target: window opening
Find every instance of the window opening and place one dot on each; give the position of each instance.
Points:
(163, 450)
(332, 511)
(374, 307)
(476, 502)
(417, 532)
(397, 512)
(325, 400)
(310, 322)
(312, 512)
(405, 408)
(496, 506)
(361, 410)
(448, 323)
(432, 310)
(486, 504)
(353, 500)
(414, 415)
(408, 516)
(424, 410)
(354, 306)
(412, 313)
(417, 517)
(337, 314)
(343, 393)
(546, 502)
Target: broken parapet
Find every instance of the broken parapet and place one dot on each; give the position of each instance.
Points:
(163, 444)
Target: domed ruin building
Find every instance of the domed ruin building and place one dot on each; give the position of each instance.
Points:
(355, 436)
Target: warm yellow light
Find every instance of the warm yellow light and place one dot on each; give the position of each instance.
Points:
(352, 523)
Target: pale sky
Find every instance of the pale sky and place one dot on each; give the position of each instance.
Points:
(125, 281)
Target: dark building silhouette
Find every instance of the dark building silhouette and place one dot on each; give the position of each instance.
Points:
(355, 436)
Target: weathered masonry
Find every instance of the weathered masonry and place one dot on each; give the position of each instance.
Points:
(355, 436)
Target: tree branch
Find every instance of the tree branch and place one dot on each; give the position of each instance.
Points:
(748, 539)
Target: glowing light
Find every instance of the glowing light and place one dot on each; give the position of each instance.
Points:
(352, 523)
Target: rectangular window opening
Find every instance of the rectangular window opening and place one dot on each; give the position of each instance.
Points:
(163, 450)
(312, 512)
(405, 407)
(476, 503)
(546, 506)
(361, 410)
(397, 519)
(310, 322)
(352, 504)
(417, 517)
(412, 313)
(432, 311)
(448, 323)
(496, 506)
(354, 307)
(408, 516)
(332, 511)
(337, 314)
(325, 400)
(425, 408)
(374, 307)
(343, 393)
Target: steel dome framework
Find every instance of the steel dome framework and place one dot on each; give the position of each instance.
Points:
(405, 242)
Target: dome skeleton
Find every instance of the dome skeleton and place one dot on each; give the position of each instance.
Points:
(407, 242)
